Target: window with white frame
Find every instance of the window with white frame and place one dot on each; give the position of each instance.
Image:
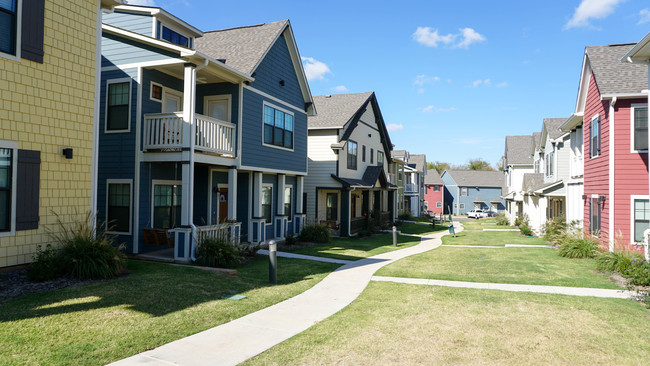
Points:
(278, 127)
(436, 188)
(438, 204)
(331, 206)
(640, 126)
(363, 153)
(594, 144)
(117, 105)
(156, 92)
(549, 164)
(167, 204)
(464, 191)
(7, 186)
(641, 218)
(175, 37)
(462, 205)
(118, 205)
(352, 155)
(9, 25)
(380, 158)
(267, 203)
(287, 201)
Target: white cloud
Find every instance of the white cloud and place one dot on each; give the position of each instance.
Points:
(432, 108)
(340, 88)
(430, 37)
(420, 80)
(469, 36)
(644, 16)
(394, 127)
(428, 109)
(463, 39)
(314, 69)
(420, 90)
(479, 82)
(502, 85)
(591, 9)
(142, 2)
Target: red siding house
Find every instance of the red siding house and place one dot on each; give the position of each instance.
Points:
(615, 117)
(434, 192)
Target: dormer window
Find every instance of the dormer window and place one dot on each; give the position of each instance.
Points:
(175, 37)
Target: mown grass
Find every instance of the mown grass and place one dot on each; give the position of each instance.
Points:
(105, 321)
(421, 229)
(402, 324)
(358, 248)
(491, 238)
(532, 266)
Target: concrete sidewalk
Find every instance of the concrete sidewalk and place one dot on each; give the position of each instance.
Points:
(561, 290)
(250, 335)
(306, 257)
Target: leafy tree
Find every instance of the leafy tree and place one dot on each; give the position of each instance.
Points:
(479, 164)
(501, 164)
(438, 165)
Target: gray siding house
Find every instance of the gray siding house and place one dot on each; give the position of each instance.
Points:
(466, 190)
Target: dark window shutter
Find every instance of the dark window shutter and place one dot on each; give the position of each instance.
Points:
(599, 137)
(27, 189)
(33, 19)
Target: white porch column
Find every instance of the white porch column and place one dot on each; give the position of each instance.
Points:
(299, 193)
(232, 194)
(187, 199)
(257, 195)
(281, 184)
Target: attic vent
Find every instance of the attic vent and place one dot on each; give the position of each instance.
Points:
(222, 60)
(328, 96)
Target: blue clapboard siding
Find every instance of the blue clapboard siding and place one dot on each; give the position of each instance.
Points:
(137, 23)
(255, 154)
(117, 50)
(244, 202)
(276, 66)
(153, 106)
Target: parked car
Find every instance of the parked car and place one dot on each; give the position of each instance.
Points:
(476, 214)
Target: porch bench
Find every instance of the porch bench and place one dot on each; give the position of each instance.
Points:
(157, 237)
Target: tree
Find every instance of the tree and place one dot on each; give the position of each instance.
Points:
(438, 165)
(478, 164)
(501, 164)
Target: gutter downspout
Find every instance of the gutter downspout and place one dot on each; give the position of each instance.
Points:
(612, 152)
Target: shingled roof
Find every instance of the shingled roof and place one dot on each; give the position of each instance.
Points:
(477, 178)
(537, 137)
(433, 177)
(532, 181)
(552, 126)
(335, 110)
(614, 76)
(518, 150)
(243, 47)
(420, 161)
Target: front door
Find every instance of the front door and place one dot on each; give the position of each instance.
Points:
(172, 101)
(217, 107)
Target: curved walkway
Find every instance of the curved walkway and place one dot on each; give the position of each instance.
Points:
(252, 334)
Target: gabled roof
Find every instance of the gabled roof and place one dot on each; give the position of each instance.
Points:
(532, 181)
(477, 178)
(335, 110)
(641, 51)
(433, 177)
(551, 127)
(343, 111)
(518, 150)
(614, 76)
(370, 177)
(420, 161)
(160, 13)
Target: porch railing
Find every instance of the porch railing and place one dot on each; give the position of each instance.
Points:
(410, 188)
(164, 131)
(357, 224)
(226, 231)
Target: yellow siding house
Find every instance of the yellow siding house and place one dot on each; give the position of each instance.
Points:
(48, 68)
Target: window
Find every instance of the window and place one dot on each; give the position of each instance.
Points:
(278, 127)
(549, 164)
(438, 204)
(363, 153)
(372, 154)
(118, 206)
(436, 188)
(6, 187)
(462, 205)
(167, 205)
(594, 215)
(352, 155)
(641, 218)
(175, 37)
(156, 92)
(463, 191)
(332, 207)
(287, 201)
(380, 158)
(640, 119)
(399, 172)
(117, 106)
(267, 201)
(8, 26)
(594, 147)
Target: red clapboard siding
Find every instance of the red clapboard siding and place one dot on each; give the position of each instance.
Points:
(432, 197)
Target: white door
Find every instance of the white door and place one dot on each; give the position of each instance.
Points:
(217, 107)
(172, 101)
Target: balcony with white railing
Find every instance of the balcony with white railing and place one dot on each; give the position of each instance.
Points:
(410, 188)
(168, 132)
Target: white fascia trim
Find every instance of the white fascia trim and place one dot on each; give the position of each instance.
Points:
(158, 12)
(573, 122)
(271, 171)
(138, 157)
(277, 100)
(630, 56)
(612, 153)
(145, 39)
(541, 191)
(172, 61)
(561, 138)
(585, 78)
(640, 94)
(332, 128)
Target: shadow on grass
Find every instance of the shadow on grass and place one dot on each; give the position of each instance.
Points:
(421, 229)
(158, 289)
(358, 248)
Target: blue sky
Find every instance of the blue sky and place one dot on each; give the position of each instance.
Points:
(452, 78)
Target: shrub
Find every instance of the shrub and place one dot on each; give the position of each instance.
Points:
(618, 261)
(639, 272)
(405, 216)
(554, 230)
(364, 232)
(213, 252)
(518, 221)
(84, 252)
(575, 247)
(502, 220)
(524, 227)
(290, 240)
(315, 233)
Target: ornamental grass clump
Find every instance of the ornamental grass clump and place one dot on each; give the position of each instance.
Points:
(524, 227)
(555, 230)
(617, 261)
(572, 246)
(80, 250)
(218, 252)
(315, 233)
(502, 220)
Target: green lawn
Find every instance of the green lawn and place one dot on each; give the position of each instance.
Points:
(398, 324)
(158, 303)
(358, 248)
(534, 266)
(419, 229)
(491, 238)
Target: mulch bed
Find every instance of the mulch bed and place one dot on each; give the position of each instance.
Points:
(16, 283)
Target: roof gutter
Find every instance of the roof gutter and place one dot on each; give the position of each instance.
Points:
(574, 121)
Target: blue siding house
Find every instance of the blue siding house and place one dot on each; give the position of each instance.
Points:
(469, 189)
(201, 134)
